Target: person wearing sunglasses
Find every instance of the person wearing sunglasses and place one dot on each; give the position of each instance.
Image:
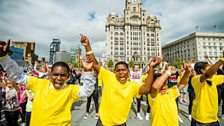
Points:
(53, 98)
(205, 104)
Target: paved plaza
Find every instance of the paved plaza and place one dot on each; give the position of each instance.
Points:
(78, 112)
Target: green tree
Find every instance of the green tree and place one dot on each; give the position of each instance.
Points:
(131, 63)
(76, 64)
(110, 63)
(177, 63)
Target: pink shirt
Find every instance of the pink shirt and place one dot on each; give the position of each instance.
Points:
(22, 89)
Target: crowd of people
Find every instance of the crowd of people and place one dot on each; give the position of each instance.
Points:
(43, 95)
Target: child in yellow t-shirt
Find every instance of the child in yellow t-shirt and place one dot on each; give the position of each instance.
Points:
(118, 91)
(163, 100)
(205, 104)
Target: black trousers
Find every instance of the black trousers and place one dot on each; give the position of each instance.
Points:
(23, 113)
(191, 98)
(28, 116)
(12, 118)
(196, 123)
(221, 98)
(95, 96)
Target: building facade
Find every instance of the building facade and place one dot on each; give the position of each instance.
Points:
(18, 53)
(62, 56)
(75, 54)
(134, 37)
(195, 46)
(29, 50)
(54, 47)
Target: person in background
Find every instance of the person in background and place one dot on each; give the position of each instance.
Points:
(12, 103)
(205, 104)
(95, 96)
(22, 103)
(29, 95)
(144, 77)
(191, 92)
(53, 98)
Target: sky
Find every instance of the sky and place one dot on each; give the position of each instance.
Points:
(40, 21)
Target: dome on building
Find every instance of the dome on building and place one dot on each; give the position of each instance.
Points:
(113, 14)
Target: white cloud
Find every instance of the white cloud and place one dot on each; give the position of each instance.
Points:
(43, 20)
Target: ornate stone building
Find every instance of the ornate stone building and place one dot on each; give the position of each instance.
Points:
(135, 36)
(195, 46)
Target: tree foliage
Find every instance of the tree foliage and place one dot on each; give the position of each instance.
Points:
(131, 63)
(177, 63)
(110, 63)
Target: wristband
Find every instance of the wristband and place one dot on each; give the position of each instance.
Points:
(222, 59)
(90, 52)
(168, 72)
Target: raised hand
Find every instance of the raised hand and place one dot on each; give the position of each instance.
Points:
(155, 61)
(172, 69)
(84, 40)
(186, 67)
(4, 47)
(206, 56)
(88, 64)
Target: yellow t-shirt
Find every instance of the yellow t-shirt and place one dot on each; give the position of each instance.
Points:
(100, 83)
(205, 104)
(51, 107)
(116, 98)
(164, 108)
(179, 77)
(144, 77)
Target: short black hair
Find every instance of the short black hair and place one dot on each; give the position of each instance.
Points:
(63, 64)
(156, 75)
(121, 62)
(198, 66)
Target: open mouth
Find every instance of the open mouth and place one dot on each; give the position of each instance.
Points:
(58, 84)
(122, 78)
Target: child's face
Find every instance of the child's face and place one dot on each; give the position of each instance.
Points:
(122, 73)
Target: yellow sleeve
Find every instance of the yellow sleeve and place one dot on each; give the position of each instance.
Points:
(75, 92)
(100, 83)
(179, 78)
(175, 91)
(144, 77)
(136, 88)
(218, 79)
(104, 75)
(33, 83)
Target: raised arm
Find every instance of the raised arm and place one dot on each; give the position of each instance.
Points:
(10, 66)
(208, 60)
(158, 83)
(184, 80)
(212, 70)
(85, 42)
(145, 89)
